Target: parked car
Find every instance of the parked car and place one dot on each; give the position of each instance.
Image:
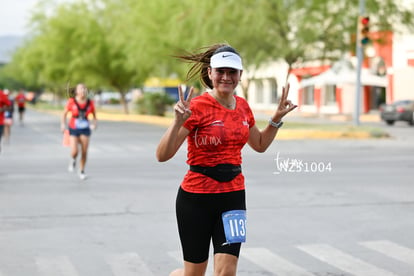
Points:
(398, 111)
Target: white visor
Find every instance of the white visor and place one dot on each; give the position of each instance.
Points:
(226, 60)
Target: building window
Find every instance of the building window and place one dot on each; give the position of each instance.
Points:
(330, 95)
(259, 91)
(308, 95)
(273, 91)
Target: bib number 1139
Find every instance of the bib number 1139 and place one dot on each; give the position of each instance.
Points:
(234, 222)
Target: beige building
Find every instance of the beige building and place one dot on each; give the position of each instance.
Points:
(388, 75)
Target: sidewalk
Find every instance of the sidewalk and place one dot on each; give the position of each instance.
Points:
(373, 117)
(311, 132)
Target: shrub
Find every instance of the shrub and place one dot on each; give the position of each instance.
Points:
(154, 103)
(114, 101)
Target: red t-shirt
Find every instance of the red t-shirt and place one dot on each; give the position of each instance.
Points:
(20, 100)
(73, 109)
(217, 136)
(4, 101)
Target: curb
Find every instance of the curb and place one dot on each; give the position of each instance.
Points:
(284, 134)
(291, 134)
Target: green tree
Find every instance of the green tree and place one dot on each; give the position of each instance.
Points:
(25, 67)
(118, 44)
(300, 30)
(196, 24)
(75, 45)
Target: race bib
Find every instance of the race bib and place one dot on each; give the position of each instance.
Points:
(234, 226)
(81, 123)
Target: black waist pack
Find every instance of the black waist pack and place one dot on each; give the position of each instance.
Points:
(220, 173)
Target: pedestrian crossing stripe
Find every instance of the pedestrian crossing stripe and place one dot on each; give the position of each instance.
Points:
(59, 265)
(272, 262)
(343, 261)
(130, 263)
(178, 256)
(395, 251)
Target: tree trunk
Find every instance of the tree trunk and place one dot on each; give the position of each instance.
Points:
(124, 103)
(245, 88)
(288, 72)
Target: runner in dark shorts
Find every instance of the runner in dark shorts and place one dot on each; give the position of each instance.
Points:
(79, 126)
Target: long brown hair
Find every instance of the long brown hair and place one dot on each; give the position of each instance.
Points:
(201, 61)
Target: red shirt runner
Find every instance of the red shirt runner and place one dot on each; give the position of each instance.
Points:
(4, 101)
(71, 106)
(217, 136)
(20, 99)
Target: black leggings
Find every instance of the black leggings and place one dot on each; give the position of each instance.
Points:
(199, 221)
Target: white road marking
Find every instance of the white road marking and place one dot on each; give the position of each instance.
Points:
(272, 262)
(393, 250)
(128, 264)
(58, 265)
(343, 261)
(178, 256)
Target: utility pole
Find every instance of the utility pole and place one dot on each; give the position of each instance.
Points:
(360, 57)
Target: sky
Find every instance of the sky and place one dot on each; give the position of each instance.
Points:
(15, 15)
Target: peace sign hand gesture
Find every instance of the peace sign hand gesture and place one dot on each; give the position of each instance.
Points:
(182, 107)
(285, 106)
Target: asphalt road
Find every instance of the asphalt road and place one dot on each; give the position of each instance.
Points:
(315, 207)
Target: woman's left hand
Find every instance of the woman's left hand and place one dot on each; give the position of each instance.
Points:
(63, 127)
(285, 106)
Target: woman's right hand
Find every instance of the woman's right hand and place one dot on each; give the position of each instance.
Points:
(182, 107)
